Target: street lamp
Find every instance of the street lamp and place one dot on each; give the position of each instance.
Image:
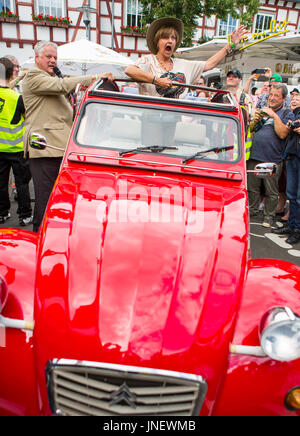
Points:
(86, 9)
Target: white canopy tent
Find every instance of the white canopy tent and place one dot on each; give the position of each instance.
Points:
(280, 53)
(84, 57)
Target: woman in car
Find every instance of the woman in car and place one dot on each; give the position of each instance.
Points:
(164, 36)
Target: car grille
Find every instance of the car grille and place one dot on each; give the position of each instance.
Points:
(92, 388)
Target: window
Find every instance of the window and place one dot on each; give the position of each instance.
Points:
(228, 26)
(50, 7)
(262, 22)
(126, 127)
(134, 13)
(7, 6)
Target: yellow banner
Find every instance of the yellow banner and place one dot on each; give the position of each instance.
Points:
(276, 28)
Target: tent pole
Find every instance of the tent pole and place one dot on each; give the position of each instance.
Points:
(112, 24)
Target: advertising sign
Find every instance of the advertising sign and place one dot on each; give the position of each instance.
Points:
(276, 28)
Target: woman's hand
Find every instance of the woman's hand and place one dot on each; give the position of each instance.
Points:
(238, 34)
(163, 82)
(109, 76)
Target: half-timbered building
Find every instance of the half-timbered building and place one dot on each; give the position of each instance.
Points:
(114, 24)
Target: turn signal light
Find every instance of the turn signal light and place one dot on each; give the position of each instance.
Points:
(292, 399)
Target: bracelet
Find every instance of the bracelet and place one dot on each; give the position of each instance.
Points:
(17, 81)
(233, 45)
(153, 81)
(228, 50)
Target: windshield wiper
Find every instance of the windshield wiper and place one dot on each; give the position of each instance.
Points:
(152, 148)
(215, 149)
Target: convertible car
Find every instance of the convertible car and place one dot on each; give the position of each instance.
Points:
(139, 296)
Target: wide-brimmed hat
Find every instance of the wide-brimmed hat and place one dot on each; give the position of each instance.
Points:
(158, 24)
(295, 91)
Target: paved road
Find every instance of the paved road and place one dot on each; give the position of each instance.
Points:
(13, 221)
(263, 243)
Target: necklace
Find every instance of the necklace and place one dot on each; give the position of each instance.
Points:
(163, 64)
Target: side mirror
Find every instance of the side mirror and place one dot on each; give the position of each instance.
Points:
(39, 142)
(3, 293)
(263, 170)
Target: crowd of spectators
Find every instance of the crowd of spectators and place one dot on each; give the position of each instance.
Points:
(272, 134)
(274, 137)
(271, 131)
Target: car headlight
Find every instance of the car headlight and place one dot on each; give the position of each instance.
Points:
(280, 334)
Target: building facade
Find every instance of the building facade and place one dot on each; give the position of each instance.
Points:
(114, 24)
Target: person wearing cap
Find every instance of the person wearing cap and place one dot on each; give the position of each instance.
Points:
(263, 99)
(234, 78)
(164, 36)
(294, 92)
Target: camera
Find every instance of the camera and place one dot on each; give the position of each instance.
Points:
(259, 71)
(295, 124)
(217, 85)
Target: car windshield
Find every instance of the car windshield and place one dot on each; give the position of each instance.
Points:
(190, 136)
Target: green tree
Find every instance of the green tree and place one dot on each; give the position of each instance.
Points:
(190, 10)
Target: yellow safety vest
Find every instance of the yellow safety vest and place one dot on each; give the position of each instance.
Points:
(11, 135)
(224, 141)
(248, 144)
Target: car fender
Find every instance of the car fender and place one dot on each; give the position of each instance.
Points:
(269, 283)
(17, 267)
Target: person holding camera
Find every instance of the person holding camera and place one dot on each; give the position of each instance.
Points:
(263, 99)
(257, 74)
(270, 132)
(292, 228)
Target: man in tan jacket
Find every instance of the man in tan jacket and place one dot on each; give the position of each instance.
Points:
(49, 113)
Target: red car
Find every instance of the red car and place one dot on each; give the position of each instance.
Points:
(139, 296)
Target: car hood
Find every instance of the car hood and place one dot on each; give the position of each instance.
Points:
(121, 281)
